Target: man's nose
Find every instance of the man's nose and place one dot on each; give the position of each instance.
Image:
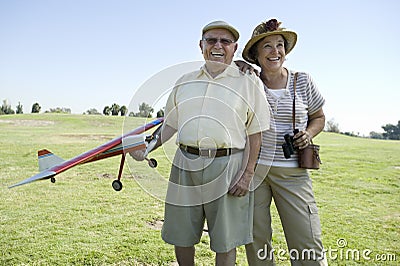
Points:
(218, 44)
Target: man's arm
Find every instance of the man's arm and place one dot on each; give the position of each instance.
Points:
(250, 156)
(165, 134)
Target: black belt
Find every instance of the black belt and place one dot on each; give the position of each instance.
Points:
(209, 152)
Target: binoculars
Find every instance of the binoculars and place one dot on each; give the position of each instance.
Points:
(288, 147)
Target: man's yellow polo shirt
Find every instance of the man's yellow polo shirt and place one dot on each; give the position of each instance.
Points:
(217, 112)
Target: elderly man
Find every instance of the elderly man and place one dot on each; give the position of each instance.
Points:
(218, 114)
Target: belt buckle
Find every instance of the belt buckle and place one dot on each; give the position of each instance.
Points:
(206, 152)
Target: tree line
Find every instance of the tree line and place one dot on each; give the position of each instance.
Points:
(145, 110)
(6, 109)
(392, 132)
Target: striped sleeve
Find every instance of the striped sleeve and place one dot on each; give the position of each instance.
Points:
(314, 98)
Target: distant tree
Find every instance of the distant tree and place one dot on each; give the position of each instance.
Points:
(392, 131)
(115, 109)
(92, 111)
(6, 108)
(375, 135)
(59, 110)
(106, 110)
(123, 110)
(352, 134)
(19, 109)
(145, 110)
(36, 108)
(160, 112)
(332, 126)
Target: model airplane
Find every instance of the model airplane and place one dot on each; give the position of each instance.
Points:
(50, 165)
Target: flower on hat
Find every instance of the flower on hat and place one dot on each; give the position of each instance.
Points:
(268, 26)
(272, 25)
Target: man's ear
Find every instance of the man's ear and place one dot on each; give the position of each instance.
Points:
(201, 46)
(236, 47)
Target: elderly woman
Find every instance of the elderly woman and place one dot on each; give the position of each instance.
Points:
(278, 177)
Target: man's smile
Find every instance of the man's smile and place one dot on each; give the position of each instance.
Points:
(217, 54)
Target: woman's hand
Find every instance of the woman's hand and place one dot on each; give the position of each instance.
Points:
(302, 139)
(245, 67)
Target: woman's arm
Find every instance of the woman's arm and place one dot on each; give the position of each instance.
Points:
(316, 123)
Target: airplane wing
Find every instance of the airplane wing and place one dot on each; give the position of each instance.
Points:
(51, 165)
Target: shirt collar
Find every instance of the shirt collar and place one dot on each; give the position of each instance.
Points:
(232, 70)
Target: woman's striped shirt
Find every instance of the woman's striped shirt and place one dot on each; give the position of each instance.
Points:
(308, 101)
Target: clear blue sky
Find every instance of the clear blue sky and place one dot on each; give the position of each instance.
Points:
(83, 54)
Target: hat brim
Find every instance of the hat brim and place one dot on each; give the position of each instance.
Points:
(290, 37)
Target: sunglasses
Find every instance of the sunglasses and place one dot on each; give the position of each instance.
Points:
(213, 41)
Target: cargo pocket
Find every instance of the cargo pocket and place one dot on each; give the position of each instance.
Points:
(314, 220)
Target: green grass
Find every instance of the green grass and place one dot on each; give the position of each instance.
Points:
(81, 220)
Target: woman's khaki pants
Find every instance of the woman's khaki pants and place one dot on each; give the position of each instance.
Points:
(291, 189)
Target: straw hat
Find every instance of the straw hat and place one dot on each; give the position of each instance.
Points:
(271, 27)
(219, 24)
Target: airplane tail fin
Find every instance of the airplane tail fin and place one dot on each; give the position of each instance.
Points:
(47, 160)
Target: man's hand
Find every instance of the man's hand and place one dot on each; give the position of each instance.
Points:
(138, 155)
(241, 186)
(241, 183)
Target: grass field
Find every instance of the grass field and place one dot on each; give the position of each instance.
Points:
(81, 220)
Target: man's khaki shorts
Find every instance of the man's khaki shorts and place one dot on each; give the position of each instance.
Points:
(200, 194)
